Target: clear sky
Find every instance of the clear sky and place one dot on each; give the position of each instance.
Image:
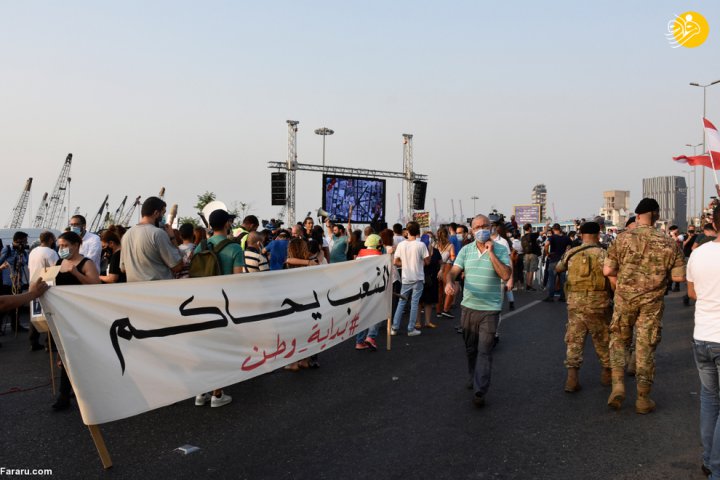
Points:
(193, 96)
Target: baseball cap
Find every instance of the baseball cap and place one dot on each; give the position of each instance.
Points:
(219, 218)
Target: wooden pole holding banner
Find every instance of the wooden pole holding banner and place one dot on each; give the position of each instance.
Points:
(389, 336)
(100, 445)
(52, 361)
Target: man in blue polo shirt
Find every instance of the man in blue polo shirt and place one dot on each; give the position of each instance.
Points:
(485, 264)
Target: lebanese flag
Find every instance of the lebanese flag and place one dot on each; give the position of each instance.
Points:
(713, 146)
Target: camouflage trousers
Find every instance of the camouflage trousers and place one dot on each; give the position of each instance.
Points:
(647, 320)
(581, 322)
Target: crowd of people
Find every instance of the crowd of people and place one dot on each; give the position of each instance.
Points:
(613, 283)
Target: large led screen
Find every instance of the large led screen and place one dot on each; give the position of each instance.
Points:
(366, 195)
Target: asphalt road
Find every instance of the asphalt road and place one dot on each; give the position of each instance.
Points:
(398, 414)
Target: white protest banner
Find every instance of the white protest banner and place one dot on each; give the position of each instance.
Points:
(134, 347)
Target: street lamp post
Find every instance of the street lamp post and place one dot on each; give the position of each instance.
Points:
(704, 87)
(473, 198)
(324, 131)
(688, 207)
(694, 206)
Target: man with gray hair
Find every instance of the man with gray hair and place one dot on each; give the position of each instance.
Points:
(485, 263)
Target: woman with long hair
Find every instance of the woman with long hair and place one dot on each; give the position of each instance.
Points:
(299, 256)
(447, 254)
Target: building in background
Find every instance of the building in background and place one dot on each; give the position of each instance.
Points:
(616, 207)
(539, 197)
(671, 194)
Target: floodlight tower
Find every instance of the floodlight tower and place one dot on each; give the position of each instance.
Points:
(291, 169)
(409, 174)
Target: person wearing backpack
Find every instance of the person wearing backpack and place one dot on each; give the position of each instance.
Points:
(531, 255)
(588, 303)
(226, 257)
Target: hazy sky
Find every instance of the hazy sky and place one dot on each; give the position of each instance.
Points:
(193, 96)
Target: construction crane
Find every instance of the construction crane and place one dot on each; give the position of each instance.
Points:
(118, 213)
(95, 225)
(57, 198)
(40, 215)
(18, 213)
(125, 220)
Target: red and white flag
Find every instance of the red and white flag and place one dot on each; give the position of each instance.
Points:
(713, 146)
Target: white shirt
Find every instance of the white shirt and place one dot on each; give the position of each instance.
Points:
(412, 255)
(91, 247)
(502, 242)
(41, 257)
(702, 270)
(517, 246)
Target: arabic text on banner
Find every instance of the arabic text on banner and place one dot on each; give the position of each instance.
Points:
(130, 348)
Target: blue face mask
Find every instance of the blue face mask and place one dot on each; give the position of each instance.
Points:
(77, 230)
(482, 235)
(64, 253)
(460, 236)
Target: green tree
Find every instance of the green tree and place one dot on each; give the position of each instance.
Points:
(204, 199)
(192, 220)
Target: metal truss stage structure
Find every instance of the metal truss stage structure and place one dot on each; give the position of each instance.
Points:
(292, 166)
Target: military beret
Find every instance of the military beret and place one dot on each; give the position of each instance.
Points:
(590, 228)
(647, 205)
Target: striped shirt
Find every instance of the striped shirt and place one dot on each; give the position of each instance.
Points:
(255, 261)
(482, 284)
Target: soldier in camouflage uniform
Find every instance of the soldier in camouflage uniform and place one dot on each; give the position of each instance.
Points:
(588, 302)
(641, 259)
